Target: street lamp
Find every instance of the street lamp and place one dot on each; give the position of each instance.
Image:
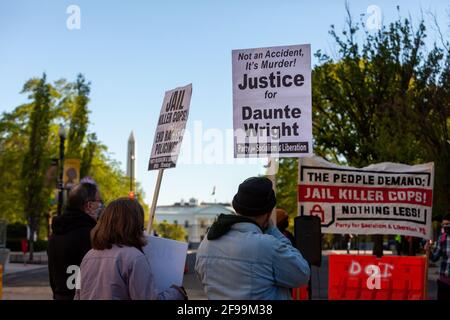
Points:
(62, 138)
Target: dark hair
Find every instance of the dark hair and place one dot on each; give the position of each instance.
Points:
(122, 224)
(80, 194)
(446, 217)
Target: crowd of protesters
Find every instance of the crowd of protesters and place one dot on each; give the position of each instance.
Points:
(245, 256)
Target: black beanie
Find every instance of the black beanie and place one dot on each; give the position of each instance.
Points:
(255, 197)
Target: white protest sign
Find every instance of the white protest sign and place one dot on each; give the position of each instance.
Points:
(167, 259)
(272, 102)
(170, 129)
(383, 198)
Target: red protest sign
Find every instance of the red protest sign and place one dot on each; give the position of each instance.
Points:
(362, 277)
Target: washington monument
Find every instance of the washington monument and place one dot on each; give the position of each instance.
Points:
(131, 160)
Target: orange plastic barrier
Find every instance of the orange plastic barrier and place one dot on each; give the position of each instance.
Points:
(361, 277)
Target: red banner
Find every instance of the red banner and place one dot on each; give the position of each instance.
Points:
(347, 194)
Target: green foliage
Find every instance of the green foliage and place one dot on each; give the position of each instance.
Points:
(88, 154)
(170, 231)
(35, 161)
(29, 139)
(370, 102)
(78, 100)
(287, 180)
(13, 141)
(385, 98)
(111, 180)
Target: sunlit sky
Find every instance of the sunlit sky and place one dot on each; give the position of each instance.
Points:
(133, 51)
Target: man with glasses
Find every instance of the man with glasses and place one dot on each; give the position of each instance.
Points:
(70, 239)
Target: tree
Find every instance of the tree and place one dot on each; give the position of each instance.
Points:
(13, 142)
(36, 158)
(170, 231)
(286, 183)
(88, 154)
(80, 117)
(385, 98)
(28, 143)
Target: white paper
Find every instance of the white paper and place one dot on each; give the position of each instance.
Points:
(272, 102)
(167, 259)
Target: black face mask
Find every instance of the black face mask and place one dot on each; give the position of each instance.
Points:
(446, 229)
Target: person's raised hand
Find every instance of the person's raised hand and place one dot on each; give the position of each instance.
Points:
(428, 245)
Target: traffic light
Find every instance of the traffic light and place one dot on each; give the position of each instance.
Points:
(132, 195)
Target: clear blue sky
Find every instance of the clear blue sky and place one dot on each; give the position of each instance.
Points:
(133, 51)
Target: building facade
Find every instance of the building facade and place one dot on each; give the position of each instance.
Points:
(193, 217)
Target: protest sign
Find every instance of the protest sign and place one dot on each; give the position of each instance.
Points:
(363, 277)
(272, 101)
(167, 260)
(170, 129)
(385, 198)
(168, 137)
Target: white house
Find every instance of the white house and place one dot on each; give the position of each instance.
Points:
(195, 218)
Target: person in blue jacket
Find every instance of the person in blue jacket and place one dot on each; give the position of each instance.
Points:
(245, 256)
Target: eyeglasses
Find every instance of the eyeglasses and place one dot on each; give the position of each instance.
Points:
(96, 200)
